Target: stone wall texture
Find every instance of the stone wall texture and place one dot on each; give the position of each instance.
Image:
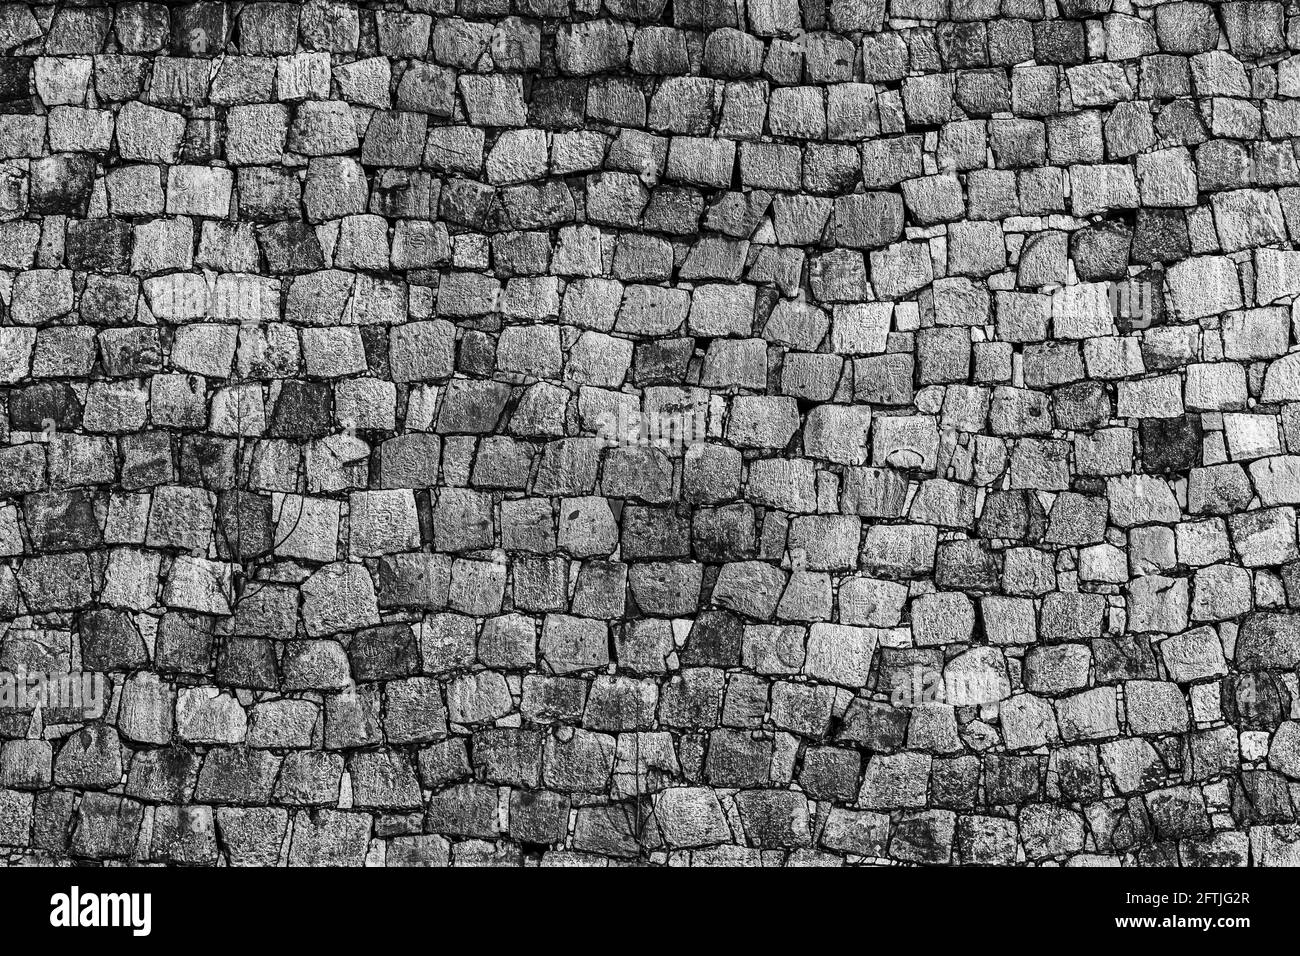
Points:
(688, 432)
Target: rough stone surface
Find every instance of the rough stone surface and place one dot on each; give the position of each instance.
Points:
(762, 432)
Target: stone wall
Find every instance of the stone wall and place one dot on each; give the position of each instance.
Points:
(680, 431)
